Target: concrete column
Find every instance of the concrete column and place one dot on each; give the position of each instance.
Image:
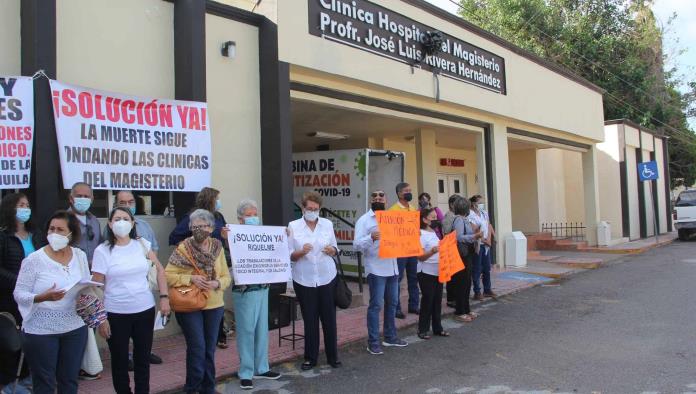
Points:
(591, 191)
(426, 159)
(481, 166)
(501, 187)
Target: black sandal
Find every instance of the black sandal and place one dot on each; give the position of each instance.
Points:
(424, 335)
(442, 333)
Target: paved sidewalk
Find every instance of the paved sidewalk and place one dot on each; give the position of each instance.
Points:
(171, 375)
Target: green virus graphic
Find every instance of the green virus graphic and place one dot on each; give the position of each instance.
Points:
(361, 165)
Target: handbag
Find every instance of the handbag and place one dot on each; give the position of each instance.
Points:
(91, 361)
(152, 271)
(343, 296)
(464, 248)
(188, 298)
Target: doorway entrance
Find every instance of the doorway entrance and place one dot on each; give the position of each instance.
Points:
(447, 185)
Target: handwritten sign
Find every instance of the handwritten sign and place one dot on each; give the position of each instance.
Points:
(450, 262)
(259, 254)
(400, 234)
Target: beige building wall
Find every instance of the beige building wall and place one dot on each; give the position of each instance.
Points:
(608, 159)
(232, 86)
(574, 190)
(551, 185)
(11, 60)
(661, 198)
(524, 190)
(125, 46)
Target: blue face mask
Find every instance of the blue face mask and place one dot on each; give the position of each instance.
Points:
(252, 220)
(218, 205)
(82, 204)
(23, 214)
(132, 210)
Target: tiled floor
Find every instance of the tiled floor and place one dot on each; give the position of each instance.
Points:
(351, 327)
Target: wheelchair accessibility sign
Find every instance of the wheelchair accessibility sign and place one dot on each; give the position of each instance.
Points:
(647, 171)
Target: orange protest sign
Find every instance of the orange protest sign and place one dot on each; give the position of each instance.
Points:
(399, 234)
(449, 260)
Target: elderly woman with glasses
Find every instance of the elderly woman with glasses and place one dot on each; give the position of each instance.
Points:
(200, 260)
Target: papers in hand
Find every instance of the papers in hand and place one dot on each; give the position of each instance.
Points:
(159, 324)
(80, 284)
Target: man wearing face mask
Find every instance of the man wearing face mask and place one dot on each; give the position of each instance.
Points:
(407, 264)
(481, 269)
(80, 200)
(382, 278)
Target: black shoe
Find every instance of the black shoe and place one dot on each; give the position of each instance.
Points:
(400, 315)
(336, 364)
(451, 304)
(155, 359)
(307, 365)
(268, 375)
(246, 384)
(414, 311)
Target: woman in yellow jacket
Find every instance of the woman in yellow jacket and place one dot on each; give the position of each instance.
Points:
(200, 327)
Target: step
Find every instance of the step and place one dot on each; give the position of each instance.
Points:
(545, 244)
(540, 257)
(546, 269)
(578, 262)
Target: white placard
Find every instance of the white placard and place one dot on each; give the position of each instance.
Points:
(16, 131)
(119, 142)
(260, 254)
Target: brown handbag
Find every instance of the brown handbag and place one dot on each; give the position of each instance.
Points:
(188, 298)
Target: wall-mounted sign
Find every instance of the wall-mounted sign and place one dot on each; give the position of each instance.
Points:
(367, 26)
(445, 162)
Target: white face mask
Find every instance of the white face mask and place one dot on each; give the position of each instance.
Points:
(480, 206)
(311, 216)
(57, 241)
(122, 228)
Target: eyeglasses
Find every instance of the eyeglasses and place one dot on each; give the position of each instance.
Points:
(202, 227)
(381, 194)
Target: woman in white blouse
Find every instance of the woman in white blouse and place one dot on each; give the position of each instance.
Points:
(121, 263)
(54, 335)
(313, 244)
(428, 274)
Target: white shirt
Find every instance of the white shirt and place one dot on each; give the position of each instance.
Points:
(38, 274)
(125, 270)
(429, 240)
(370, 249)
(481, 220)
(316, 268)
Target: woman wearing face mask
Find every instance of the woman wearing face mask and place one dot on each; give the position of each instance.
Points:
(467, 238)
(313, 245)
(209, 200)
(200, 260)
(481, 269)
(431, 288)
(54, 336)
(424, 202)
(18, 239)
(121, 264)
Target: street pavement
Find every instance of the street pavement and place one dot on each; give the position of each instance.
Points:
(628, 327)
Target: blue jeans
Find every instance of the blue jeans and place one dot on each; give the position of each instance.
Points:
(410, 265)
(201, 331)
(251, 323)
(384, 291)
(55, 359)
(481, 271)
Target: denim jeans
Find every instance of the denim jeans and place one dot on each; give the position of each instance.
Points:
(410, 265)
(383, 293)
(55, 360)
(201, 332)
(251, 323)
(481, 271)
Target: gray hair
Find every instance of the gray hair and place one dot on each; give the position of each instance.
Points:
(244, 205)
(78, 184)
(202, 214)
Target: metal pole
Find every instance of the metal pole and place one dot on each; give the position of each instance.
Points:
(652, 196)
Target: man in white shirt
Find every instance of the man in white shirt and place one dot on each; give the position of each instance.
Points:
(382, 278)
(481, 268)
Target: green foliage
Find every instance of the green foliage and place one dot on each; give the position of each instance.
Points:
(617, 45)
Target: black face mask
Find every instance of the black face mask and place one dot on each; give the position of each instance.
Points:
(377, 206)
(423, 204)
(435, 223)
(408, 196)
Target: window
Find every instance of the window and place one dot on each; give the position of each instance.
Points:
(457, 190)
(440, 186)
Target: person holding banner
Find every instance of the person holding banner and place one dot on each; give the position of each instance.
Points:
(382, 278)
(200, 260)
(251, 316)
(428, 272)
(467, 239)
(313, 245)
(18, 239)
(208, 199)
(121, 263)
(407, 265)
(81, 198)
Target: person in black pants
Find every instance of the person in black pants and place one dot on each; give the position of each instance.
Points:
(466, 241)
(313, 245)
(428, 277)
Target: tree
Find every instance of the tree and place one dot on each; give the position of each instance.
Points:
(615, 44)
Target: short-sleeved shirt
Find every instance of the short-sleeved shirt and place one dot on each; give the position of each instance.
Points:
(431, 266)
(125, 269)
(316, 268)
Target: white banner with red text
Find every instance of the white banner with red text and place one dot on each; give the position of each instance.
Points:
(16, 131)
